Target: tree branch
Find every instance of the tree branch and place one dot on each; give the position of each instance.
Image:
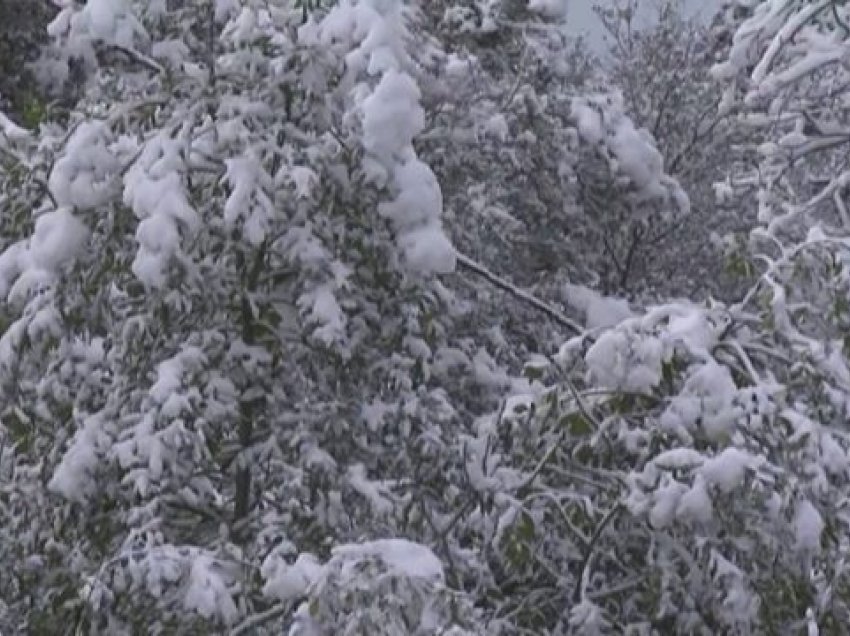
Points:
(464, 262)
(251, 623)
(131, 54)
(581, 580)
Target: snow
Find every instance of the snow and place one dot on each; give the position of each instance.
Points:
(58, 237)
(374, 492)
(154, 190)
(372, 30)
(290, 582)
(415, 213)
(549, 8)
(678, 458)
(304, 181)
(705, 404)
(661, 489)
(600, 311)
(401, 557)
(497, 127)
(601, 122)
(666, 501)
(691, 327)
(169, 378)
(428, 250)
(392, 117)
(241, 175)
(518, 404)
(723, 192)
(11, 131)
(419, 201)
(811, 624)
(207, 592)
(695, 504)
(224, 9)
(13, 260)
(588, 121)
(833, 457)
(808, 526)
(82, 176)
(626, 360)
(73, 478)
(636, 157)
(727, 470)
(320, 308)
(170, 373)
(110, 21)
(457, 67)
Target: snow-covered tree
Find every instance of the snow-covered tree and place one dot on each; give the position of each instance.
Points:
(272, 358)
(686, 471)
(662, 63)
(220, 289)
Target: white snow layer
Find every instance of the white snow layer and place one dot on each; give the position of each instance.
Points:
(808, 526)
(154, 190)
(601, 121)
(58, 237)
(627, 361)
(207, 593)
(73, 478)
(600, 311)
(400, 557)
(549, 8)
(391, 116)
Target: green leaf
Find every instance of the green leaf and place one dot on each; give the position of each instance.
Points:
(525, 528)
(577, 424)
(532, 373)
(33, 112)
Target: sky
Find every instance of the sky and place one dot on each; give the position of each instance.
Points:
(582, 19)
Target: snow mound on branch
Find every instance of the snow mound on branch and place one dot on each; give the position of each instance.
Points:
(662, 492)
(82, 176)
(289, 582)
(387, 105)
(601, 121)
(58, 237)
(808, 526)
(392, 116)
(600, 311)
(399, 557)
(155, 191)
(626, 360)
(10, 131)
(13, 261)
(81, 27)
(549, 8)
(207, 591)
(727, 470)
(73, 478)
